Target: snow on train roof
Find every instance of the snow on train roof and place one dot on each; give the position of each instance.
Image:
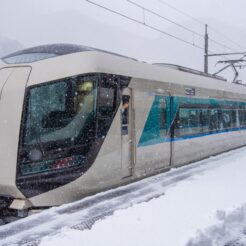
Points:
(47, 51)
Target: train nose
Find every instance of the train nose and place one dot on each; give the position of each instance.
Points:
(12, 89)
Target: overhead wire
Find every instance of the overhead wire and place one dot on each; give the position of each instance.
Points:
(201, 23)
(225, 37)
(179, 25)
(181, 12)
(145, 24)
(167, 19)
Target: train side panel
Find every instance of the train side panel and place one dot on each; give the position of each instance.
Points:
(190, 150)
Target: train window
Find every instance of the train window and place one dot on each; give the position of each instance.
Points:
(234, 121)
(188, 122)
(107, 103)
(181, 122)
(213, 120)
(204, 120)
(60, 111)
(62, 123)
(183, 118)
(226, 119)
(107, 96)
(242, 118)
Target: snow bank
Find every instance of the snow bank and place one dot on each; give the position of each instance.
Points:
(207, 208)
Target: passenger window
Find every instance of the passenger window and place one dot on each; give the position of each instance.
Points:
(192, 121)
(188, 122)
(242, 117)
(213, 120)
(203, 120)
(234, 122)
(183, 118)
(226, 119)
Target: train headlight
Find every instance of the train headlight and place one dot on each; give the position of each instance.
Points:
(35, 155)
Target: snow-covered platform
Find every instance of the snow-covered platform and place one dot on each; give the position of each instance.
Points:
(201, 204)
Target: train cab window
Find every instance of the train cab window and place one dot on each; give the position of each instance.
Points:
(60, 111)
(107, 102)
(107, 96)
(64, 122)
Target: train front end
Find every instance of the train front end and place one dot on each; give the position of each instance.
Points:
(55, 115)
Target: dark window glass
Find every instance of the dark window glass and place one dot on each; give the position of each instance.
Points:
(204, 120)
(107, 96)
(226, 119)
(60, 111)
(108, 99)
(188, 122)
(234, 122)
(213, 120)
(242, 118)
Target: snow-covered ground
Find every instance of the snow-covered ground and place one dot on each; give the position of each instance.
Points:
(208, 208)
(201, 204)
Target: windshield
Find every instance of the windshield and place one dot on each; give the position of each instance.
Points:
(60, 111)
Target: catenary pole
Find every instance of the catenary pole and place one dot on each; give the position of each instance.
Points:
(206, 50)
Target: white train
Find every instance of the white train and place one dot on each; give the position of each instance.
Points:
(76, 121)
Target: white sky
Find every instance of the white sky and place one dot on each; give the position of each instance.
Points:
(34, 22)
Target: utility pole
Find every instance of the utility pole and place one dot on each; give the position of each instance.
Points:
(206, 50)
(234, 64)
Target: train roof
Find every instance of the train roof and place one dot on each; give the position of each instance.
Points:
(48, 51)
(90, 60)
(43, 52)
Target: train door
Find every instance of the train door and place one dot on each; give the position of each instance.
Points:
(127, 133)
(153, 118)
(161, 113)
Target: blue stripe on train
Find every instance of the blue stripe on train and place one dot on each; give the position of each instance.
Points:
(168, 139)
(152, 133)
